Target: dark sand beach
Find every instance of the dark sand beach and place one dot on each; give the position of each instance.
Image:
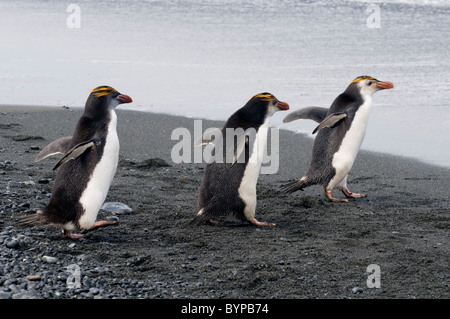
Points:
(317, 249)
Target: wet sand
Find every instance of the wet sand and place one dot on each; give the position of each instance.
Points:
(317, 249)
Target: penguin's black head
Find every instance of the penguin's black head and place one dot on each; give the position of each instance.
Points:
(266, 103)
(261, 106)
(105, 98)
(368, 85)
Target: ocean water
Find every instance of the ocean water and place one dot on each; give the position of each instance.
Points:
(206, 58)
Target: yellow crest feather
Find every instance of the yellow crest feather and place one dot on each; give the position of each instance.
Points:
(103, 90)
(364, 77)
(265, 97)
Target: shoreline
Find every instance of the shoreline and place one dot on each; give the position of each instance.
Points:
(38, 108)
(317, 249)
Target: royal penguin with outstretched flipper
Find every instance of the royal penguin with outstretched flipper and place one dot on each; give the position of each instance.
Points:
(86, 170)
(229, 185)
(341, 131)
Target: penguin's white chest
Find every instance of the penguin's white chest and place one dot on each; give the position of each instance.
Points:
(247, 188)
(344, 158)
(97, 188)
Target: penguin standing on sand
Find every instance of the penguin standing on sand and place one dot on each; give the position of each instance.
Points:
(87, 168)
(340, 134)
(229, 186)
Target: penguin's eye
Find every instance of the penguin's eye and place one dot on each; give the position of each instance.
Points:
(369, 83)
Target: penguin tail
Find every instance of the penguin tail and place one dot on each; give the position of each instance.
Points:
(197, 221)
(38, 218)
(200, 218)
(294, 186)
(204, 216)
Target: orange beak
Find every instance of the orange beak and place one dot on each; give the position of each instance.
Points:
(124, 98)
(282, 106)
(384, 85)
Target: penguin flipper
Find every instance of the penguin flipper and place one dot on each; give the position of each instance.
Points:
(59, 146)
(241, 143)
(76, 151)
(209, 137)
(331, 121)
(314, 113)
(214, 136)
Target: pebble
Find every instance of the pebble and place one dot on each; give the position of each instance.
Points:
(12, 244)
(34, 277)
(116, 207)
(5, 295)
(112, 218)
(24, 295)
(49, 259)
(357, 290)
(25, 205)
(94, 291)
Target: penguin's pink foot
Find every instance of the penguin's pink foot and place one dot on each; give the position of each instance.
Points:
(333, 199)
(102, 223)
(350, 194)
(258, 223)
(214, 222)
(68, 234)
(97, 224)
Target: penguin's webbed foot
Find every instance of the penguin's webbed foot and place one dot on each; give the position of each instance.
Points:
(258, 223)
(333, 199)
(103, 223)
(97, 224)
(350, 194)
(68, 234)
(214, 222)
(347, 194)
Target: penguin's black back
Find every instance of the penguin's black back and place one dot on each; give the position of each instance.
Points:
(328, 140)
(73, 176)
(219, 194)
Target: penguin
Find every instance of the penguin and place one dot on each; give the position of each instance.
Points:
(229, 186)
(87, 168)
(341, 131)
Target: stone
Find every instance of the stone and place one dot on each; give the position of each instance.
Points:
(49, 259)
